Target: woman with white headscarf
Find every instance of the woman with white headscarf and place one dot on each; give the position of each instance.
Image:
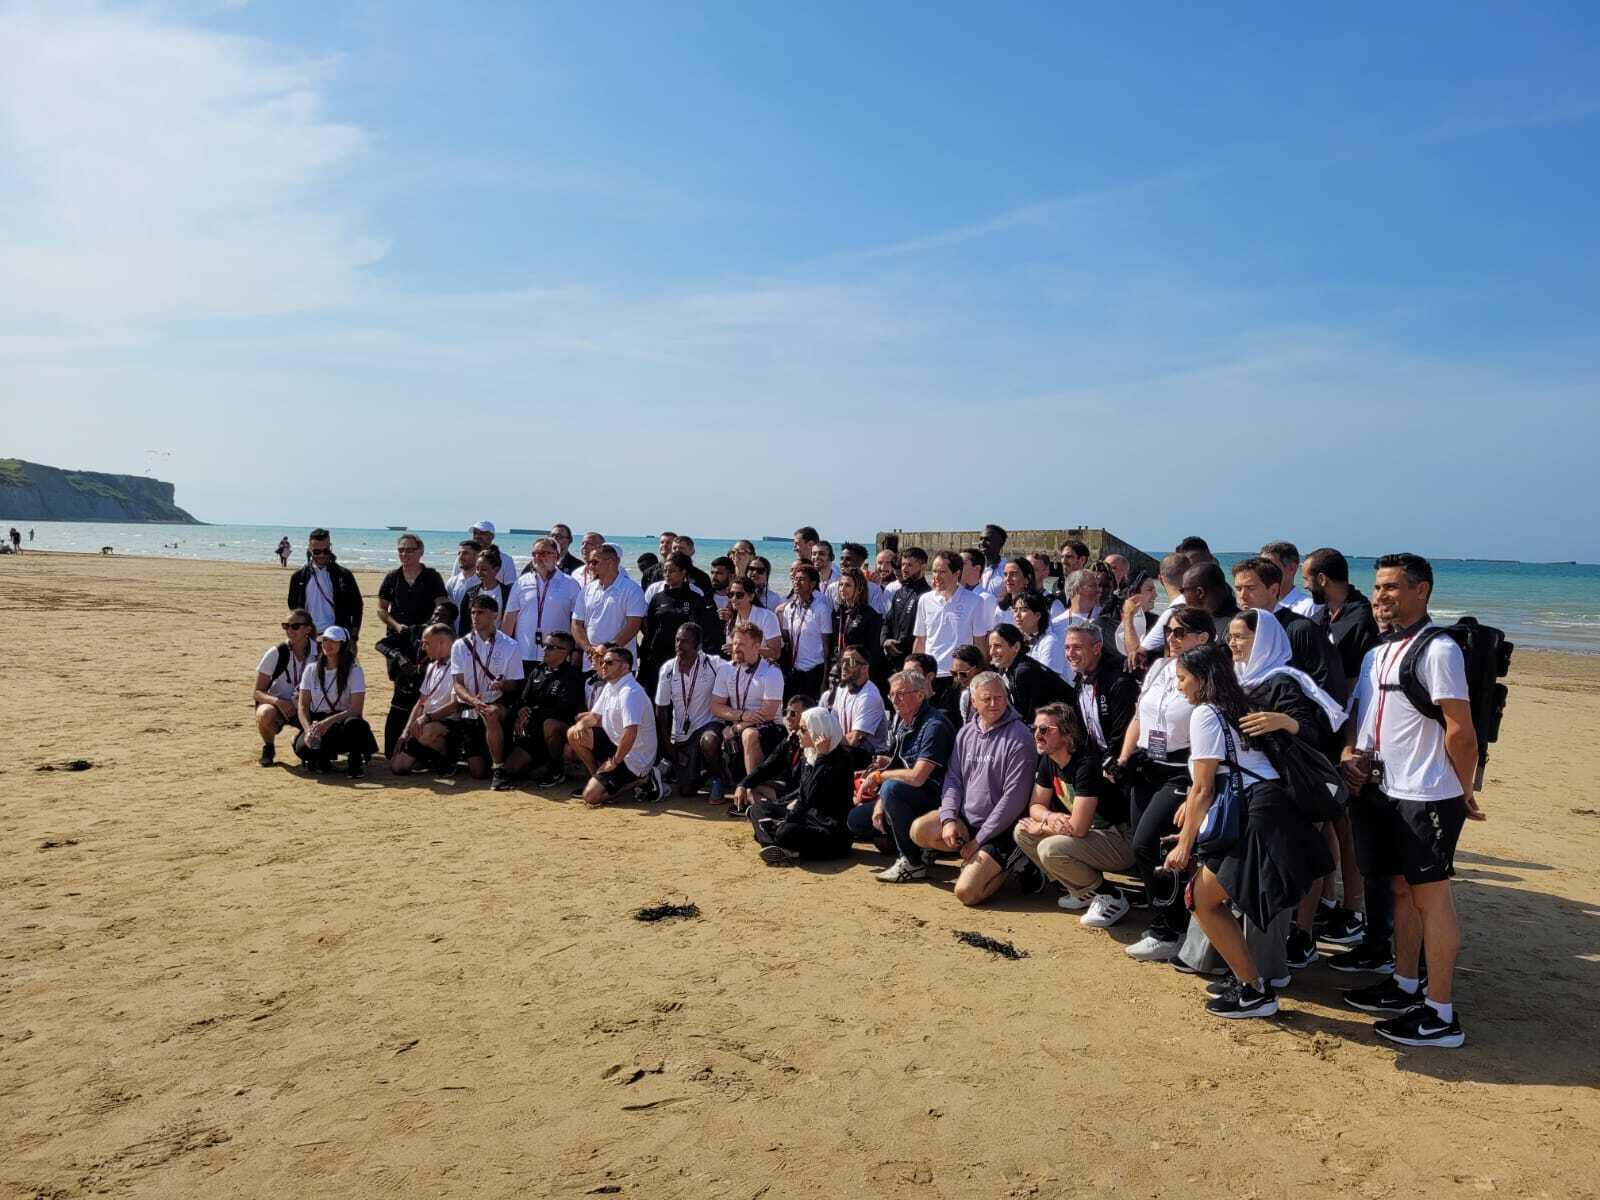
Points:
(809, 822)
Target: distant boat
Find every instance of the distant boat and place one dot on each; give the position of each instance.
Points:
(396, 528)
(770, 538)
(526, 531)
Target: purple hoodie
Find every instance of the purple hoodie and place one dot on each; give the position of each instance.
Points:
(990, 778)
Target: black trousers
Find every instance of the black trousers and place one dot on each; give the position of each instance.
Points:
(352, 736)
(1158, 792)
(805, 683)
(774, 825)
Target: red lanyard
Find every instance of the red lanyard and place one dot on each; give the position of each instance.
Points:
(478, 662)
(796, 628)
(1394, 655)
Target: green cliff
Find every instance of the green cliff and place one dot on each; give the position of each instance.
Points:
(34, 492)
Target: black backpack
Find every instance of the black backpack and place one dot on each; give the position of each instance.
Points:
(1488, 658)
(281, 667)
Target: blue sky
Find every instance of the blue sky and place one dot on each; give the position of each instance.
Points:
(1253, 273)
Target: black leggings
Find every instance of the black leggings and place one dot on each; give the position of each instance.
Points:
(1158, 792)
(774, 826)
(352, 736)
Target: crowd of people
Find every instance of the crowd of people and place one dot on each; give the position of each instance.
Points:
(1262, 768)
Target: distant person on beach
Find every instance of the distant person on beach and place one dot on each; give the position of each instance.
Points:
(331, 698)
(278, 682)
(16, 539)
(284, 550)
(326, 590)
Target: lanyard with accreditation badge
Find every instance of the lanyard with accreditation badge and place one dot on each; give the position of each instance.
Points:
(478, 662)
(1393, 656)
(687, 690)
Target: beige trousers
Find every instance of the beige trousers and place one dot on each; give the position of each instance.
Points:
(1076, 863)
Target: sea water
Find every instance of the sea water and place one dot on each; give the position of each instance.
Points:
(1552, 605)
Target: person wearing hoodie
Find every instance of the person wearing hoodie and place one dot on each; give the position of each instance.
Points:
(986, 789)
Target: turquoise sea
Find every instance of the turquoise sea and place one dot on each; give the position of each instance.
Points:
(1551, 605)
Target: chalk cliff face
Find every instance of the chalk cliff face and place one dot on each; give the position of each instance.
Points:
(33, 492)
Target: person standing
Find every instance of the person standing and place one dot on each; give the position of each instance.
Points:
(541, 603)
(807, 623)
(284, 550)
(899, 624)
(483, 534)
(1287, 557)
(993, 545)
(611, 607)
(948, 616)
(1346, 614)
(570, 563)
(1416, 772)
(406, 600)
(326, 590)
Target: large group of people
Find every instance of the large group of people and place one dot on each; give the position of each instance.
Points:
(1272, 763)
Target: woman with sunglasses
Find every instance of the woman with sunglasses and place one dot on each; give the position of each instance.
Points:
(1154, 761)
(278, 682)
(744, 607)
(332, 695)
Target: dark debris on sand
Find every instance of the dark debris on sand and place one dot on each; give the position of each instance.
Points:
(76, 764)
(668, 912)
(981, 941)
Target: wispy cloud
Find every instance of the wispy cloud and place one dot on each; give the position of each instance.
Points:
(166, 172)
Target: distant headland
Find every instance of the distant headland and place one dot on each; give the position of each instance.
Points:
(35, 492)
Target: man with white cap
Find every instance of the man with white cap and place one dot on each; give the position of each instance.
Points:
(483, 534)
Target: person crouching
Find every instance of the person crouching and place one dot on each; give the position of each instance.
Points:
(425, 740)
(331, 697)
(810, 822)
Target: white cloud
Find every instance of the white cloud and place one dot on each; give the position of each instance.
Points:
(163, 172)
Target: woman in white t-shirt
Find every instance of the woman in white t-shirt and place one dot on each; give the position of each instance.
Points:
(278, 682)
(1272, 858)
(745, 608)
(1031, 612)
(332, 696)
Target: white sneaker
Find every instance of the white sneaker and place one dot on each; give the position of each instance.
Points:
(1105, 910)
(1153, 949)
(1072, 903)
(902, 870)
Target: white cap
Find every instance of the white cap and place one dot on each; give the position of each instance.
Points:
(486, 526)
(334, 633)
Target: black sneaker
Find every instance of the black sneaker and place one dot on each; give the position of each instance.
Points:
(1184, 968)
(1245, 1002)
(1367, 959)
(779, 856)
(1422, 1027)
(357, 766)
(269, 754)
(552, 777)
(1221, 987)
(500, 779)
(1383, 997)
(1341, 926)
(1301, 949)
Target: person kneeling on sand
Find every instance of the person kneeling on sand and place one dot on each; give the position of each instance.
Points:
(1077, 822)
(487, 669)
(616, 739)
(426, 739)
(552, 698)
(278, 682)
(332, 694)
(809, 822)
(986, 790)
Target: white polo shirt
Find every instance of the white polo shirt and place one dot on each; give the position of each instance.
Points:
(748, 690)
(286, 685)
(1298, 599)
(456, 586)
(542, 606)
(806, 628)
(988, 610)
(1416, 765)
(860, 710)
(603, 609)
(688, 694)
(765, 620)
(485, 665)
(622, 703)
(946, 624)
(436, 692)
(323, 687)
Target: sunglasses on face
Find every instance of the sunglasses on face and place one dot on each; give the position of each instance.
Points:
(297, 625)
(737, 595)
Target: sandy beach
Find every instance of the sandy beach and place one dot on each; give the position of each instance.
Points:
(218, 980)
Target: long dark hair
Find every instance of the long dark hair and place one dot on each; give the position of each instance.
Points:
(1219, 686)
(341, 669)
(1031, 581)
(857, 576)
(1038, 604)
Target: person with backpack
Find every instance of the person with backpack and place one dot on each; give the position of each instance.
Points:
(278, 682)
(1412, 750)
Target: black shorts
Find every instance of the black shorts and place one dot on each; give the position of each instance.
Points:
(685, 755)
(1413, 838)
(1001, 847)
(467, 738)
(614, 780)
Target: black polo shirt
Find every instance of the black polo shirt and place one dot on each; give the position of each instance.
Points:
(1353, 631)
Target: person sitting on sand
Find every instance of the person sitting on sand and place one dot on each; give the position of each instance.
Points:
(779, 772)
(487, 668)
(685, 724)
(616, 740)
(552, 698)
(859, 705)
(278, 682)
(332, 694)
(428, 739)
(746, 698)
(986, 789)
(920, 739)
(810, 821)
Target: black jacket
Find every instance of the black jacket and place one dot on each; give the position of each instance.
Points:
(1032, 684)
(859, 628)
(670, 608)
(1281, 694)
(554, 694)
(1312, 652)
(780, 768)
(346, 594)
(1353, 632)
(1116, 697)
(570, 562)
(822, 797)
(900, 624)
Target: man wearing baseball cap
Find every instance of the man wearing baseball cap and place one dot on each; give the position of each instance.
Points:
(483, 534)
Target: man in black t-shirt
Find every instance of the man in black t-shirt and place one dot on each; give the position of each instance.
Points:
(1077, 822)
(1346, 614)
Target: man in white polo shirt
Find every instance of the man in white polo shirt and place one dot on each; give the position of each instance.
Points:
(592, 541)
(948, 616)
(541, 603)
(486, 666)
(616, 739)
(611, 607)
(746, 698)
(683, 700)
(806, 621)
(483, 534)
(858, 704)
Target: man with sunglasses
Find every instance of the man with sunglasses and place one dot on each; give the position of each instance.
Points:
(616, 739)
(540, 603)
(326, 590)
(278, 682)
(858, 704)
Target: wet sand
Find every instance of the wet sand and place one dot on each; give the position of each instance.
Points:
(218, 980)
